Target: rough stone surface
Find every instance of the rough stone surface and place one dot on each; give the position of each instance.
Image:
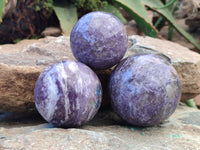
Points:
(186, 62)
(21, 64)
(105, 131)
(197, 101)
(51, 31)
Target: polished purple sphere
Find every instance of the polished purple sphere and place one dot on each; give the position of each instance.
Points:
(99, 40)
(144, 89)
(68, 94)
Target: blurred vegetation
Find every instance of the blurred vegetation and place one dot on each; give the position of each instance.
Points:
(38, 14)
(191, 103)
(2, 6)
(26, 19)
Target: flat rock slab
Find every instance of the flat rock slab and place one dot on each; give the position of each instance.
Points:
(185, 61)
(21, 64)
(106, 131)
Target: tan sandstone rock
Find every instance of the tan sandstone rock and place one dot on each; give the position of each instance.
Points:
(181, 131)
(197, 101)
(21, 64)
(185, 61)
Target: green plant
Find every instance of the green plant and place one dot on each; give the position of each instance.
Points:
(46, 6)
(25, 19)
(191, 103)
(154, 5)
(68, 12)
(135, 8)
(2, 5)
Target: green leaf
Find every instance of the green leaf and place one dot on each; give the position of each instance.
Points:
(137, 11)
(170, 32)
(153, 4)
(191, 103)
(67, 15)
(113, 10)
(167, 5)
(2, 5)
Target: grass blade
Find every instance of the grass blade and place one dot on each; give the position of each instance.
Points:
(2, 5)
(167, 14)
(137, 11)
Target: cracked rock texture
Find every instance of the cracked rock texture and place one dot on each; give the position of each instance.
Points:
(105, 131)
(21, 64)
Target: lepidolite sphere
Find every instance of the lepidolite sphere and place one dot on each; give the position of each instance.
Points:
(145, 89)
(99, 40)
(68, 94)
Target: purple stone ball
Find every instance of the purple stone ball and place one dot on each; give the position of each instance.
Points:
(99, 40)
(68, 94)
(144, 89)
